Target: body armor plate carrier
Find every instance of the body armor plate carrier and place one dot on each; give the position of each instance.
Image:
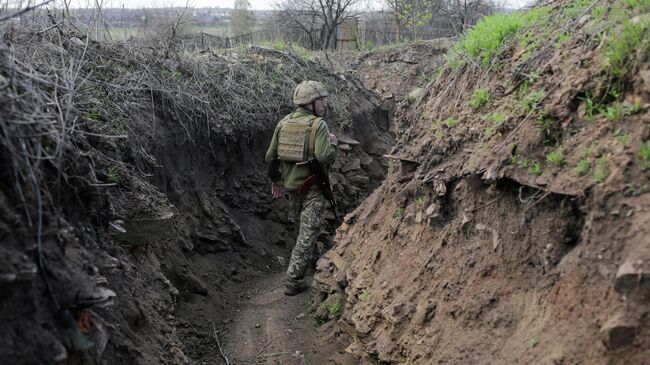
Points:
(296, 138)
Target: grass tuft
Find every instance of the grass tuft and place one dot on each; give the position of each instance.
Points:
(480, 98)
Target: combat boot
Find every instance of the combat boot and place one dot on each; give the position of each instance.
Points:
(298, 288)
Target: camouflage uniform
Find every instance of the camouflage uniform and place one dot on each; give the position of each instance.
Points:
(311, 208)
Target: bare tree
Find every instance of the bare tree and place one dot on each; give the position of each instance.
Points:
(310, 15)
(461, 14)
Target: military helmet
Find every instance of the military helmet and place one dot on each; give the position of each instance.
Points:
(308, 91)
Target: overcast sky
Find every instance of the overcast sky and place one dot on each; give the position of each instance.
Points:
(256, 4)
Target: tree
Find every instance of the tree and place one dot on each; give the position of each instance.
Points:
(242, 19)
(412, 16)
(461, 14)
(312, 15)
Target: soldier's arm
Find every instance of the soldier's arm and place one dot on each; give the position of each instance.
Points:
(324, 150)
(271, 157)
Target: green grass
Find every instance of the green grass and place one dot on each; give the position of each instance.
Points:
(618, 110)
(364, 296)
(392, 164)
(622, 137)
(519, 161)
(113, 175)
(575, 8)
(494, 120)
(335, 309)
(399, 213)
(451, 122)
(628, 37)
(485, 40)
(592, 108)
(93, 116)
(480, 98)
(556, 157)
(644, 155)
(546, 126)
(535, 168)
(582, 167)
(531, 100)
(600, 172)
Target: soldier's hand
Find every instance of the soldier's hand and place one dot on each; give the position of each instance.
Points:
(277, 190)
(333, 139)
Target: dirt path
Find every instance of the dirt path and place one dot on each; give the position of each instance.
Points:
(270, 327)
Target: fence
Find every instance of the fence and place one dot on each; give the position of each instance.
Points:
(307, 39)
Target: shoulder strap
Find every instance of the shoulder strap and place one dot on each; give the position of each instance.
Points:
(312, 137)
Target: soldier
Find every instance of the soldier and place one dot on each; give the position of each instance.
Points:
(297, 137)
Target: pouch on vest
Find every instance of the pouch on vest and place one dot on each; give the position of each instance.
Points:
(293, 139)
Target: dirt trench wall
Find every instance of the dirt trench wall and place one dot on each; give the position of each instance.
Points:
(151, 184)
(479, 247)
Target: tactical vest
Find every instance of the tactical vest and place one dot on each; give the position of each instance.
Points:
(297, 138)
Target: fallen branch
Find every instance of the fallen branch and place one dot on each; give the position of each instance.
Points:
(263, 347)
(216, 337)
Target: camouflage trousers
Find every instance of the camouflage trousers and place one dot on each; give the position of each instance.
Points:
(310, 208)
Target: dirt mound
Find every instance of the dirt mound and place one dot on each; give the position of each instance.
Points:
(513, 224)
(392, 72)
(134, 197)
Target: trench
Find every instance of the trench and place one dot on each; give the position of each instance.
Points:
(231, 301)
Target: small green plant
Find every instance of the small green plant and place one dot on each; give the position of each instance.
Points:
(392, 163)
(533, 342)
(614, 112)
(535, 168)
(600, 172)
(619, 110)
(563, 38)
(364, 296)
(530, 101)
(634, 189)
(113, 175)
(622, 137)
(592, 109)
(451, 122)
(547, 128)
(556, 157)
(582, 167)
(94, 116)
(428, 78)
(335, 309)
(399, 212)
(519, 161)
(480, 98)
(495, 120)
(624, 43)
(419, 201)
(644, 155)
(575, 8)
(437, 130)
